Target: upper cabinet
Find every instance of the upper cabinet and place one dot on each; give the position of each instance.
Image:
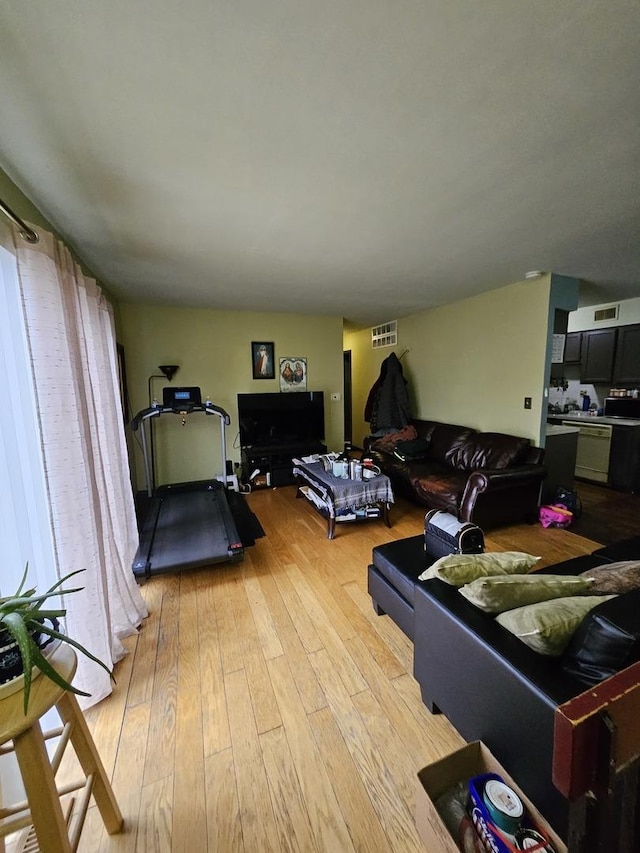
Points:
(573, 348)
(606, 356)
(598, 350)
(626, 369)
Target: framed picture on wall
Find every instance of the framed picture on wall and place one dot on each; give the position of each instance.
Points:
(262, 360)
(293, 373)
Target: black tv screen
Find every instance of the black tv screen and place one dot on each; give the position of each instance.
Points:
(269, 419)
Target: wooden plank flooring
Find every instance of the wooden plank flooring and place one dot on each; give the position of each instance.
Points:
(263, 705)
(607, 516)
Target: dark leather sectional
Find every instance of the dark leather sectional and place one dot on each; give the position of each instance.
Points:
(488, 683)
(489, 478)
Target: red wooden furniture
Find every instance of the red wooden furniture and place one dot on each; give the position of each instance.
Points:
(596, 765)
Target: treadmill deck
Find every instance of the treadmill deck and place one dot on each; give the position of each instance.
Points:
(186, 528)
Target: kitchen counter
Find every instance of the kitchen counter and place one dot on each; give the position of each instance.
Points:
(561, 429)
(624, 455)
(584, 417)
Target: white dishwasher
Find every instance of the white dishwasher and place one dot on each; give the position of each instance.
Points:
(594, 445)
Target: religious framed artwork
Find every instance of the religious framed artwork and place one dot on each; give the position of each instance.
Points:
(263, 360)
(293, 373)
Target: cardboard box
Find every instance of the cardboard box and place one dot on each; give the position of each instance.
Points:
(433, 780)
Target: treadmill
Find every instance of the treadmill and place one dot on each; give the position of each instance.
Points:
(187, 525)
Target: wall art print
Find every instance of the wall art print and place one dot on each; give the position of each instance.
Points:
(263, 360)
(293, 374)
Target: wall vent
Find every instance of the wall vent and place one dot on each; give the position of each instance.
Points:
(385, 335)
(609, 313)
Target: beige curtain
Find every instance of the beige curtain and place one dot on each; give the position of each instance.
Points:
(71, 339)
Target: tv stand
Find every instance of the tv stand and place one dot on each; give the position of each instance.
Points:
(274, 461)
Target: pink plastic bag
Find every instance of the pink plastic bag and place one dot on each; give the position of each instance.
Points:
(555, 515)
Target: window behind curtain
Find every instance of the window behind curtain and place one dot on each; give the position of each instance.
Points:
(24, 519)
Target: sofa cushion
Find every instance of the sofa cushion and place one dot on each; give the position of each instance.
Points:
(489, 450)
(442, 488)
(445, 441)
(547, 627)
(606, 641)
(498, 593)
(460, 569)
(615, 577)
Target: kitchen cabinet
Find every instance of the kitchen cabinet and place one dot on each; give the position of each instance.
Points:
(598, 349)
(573, 348)
(626, 369)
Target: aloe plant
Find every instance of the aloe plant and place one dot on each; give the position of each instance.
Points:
(22, 616)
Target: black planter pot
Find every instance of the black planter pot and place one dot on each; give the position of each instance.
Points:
(11, 659)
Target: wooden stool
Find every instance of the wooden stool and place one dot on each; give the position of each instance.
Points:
(38, 770)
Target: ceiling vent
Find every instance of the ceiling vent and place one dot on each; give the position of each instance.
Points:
(385, 335)
(610, 313)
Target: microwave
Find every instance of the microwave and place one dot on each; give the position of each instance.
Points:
(622, 407)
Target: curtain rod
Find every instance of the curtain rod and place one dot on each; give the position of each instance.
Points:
(29, 234)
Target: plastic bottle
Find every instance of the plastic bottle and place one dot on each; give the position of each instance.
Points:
(586, 402)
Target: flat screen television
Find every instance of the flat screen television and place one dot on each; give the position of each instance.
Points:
(271, 419)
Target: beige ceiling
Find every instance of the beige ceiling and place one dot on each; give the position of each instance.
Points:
(366, 158)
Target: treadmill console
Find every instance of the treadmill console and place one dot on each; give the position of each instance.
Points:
(181, 399)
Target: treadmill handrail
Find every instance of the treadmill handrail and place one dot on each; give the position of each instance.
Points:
(156, 411)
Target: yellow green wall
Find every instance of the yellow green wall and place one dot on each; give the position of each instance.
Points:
(213, 349)
(471, 363)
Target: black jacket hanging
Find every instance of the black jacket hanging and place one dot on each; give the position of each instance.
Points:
(387, 405)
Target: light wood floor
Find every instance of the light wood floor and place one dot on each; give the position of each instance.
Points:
(264, 706)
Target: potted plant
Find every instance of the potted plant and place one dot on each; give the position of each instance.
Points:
(26, 627)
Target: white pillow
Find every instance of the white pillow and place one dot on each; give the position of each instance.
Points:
(459, 569)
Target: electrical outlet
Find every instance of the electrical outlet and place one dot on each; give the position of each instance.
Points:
(527, 402)
(335, 396)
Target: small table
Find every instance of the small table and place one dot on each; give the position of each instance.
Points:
(330, 495)
(38, 769)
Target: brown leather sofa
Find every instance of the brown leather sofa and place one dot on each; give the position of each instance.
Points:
(488, 478)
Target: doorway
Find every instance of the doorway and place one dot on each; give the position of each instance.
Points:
(347, 395)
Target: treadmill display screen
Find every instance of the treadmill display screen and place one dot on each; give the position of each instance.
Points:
(173, 398)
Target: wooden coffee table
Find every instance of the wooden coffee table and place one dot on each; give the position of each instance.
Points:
(332, 495)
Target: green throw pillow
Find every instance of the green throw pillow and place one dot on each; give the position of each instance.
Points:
(459, 569)
(548, 626)
(504, 592)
